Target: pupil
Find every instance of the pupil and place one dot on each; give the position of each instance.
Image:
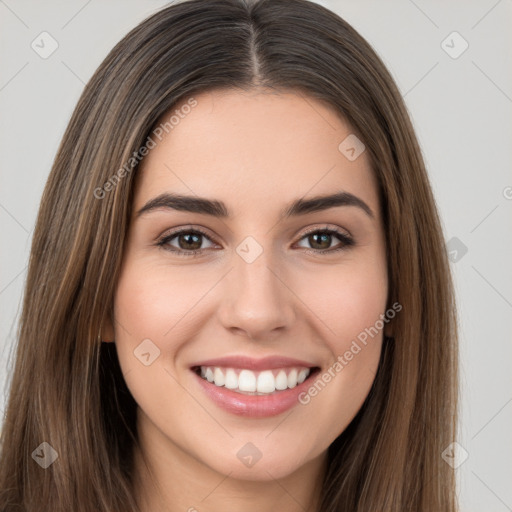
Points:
(187, 236)
(325, 236)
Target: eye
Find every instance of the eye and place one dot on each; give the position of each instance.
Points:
(188, 241)
(321, 239)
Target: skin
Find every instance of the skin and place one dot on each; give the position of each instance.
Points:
(256, 151)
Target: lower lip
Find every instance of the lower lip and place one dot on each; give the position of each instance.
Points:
(254, 406)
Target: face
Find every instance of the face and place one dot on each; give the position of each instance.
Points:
(236, 323)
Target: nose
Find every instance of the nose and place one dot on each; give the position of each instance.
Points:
(257, 301)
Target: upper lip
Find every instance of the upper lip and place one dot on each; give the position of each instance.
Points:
(249, 363)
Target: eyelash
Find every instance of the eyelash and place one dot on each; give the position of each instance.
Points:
(346, 240)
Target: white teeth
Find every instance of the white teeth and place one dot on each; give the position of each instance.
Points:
(218, 377)
(247, 381)
(266, 382)
(231, 379)
(281, 381)
(301, 377)
(292, 378)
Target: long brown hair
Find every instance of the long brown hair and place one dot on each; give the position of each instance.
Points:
(67, 388)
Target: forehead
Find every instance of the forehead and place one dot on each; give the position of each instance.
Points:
(254, 149)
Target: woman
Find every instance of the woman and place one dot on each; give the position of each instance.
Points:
(238, 294)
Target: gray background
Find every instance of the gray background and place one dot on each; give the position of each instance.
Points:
(461, 110)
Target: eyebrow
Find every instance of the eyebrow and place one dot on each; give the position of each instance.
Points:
(216, 208)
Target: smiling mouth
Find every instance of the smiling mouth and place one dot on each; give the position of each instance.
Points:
(249, 382)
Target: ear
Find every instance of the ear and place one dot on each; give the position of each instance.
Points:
(107, 331)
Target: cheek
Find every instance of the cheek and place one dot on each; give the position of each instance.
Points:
(350, 305)
(349, 301)
(155, 303)
(356, 309)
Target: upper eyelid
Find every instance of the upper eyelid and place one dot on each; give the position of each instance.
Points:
(328, 227)
(179, 231)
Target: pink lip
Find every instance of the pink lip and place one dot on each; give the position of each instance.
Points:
(254, 406)
(244, 362)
